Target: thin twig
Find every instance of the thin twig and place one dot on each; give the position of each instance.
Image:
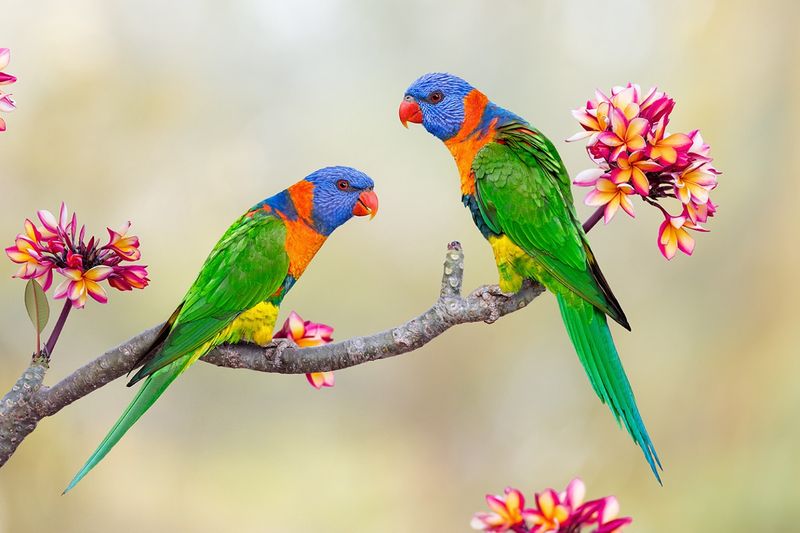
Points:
(62, 319)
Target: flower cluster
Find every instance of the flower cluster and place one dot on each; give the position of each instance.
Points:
(636, 156)
(306, 333)
(6, 103)
(59, 245)
(563, 512)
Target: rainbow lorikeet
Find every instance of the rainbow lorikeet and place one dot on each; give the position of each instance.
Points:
(238, 292)
(518, 192)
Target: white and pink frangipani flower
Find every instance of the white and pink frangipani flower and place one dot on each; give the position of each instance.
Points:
(306, 333)
(613, 194)
(627, 139)
(695, 183)
(625, 135)
(79, 285)
(7, 103)
(673, 235)
(665, 148)
(506, 513)
(632, 169)
(56, 244)
(126, 247)
(5, 59)
(552, 511)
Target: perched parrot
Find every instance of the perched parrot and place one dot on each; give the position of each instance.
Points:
(238, 292)
(518, 192)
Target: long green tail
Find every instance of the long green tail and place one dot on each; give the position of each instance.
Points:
(150, 391)
(588, 330)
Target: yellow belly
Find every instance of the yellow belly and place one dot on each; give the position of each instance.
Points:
(254, 325)
(514, 265)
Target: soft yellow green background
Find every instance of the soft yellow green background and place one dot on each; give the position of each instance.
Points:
(180, 115)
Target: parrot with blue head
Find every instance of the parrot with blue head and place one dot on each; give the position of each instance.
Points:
(518, 192)
(242, 283)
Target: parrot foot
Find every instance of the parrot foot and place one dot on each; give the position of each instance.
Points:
(491, 294)
(278, 347)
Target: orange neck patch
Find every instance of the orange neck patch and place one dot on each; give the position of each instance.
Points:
(468, 141)
(302, 243)
(302, 195)
(302, 240)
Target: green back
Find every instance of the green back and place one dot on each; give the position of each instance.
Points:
(523, 191)
(247, 265)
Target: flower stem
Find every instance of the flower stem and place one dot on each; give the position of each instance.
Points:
(593, 219)
(62, 318)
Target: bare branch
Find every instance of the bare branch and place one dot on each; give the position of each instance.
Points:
(29, 401)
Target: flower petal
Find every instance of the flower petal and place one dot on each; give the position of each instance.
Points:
(297, 326)
(98, 273)
(588, 177)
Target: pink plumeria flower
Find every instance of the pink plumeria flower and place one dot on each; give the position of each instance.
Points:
(634, 154)
(655, 106)
(665, 149)
(699, 213)
(306, 333)
(632, 169)
(613, 194)
(593, 118)
(7, 103)
(32, 264)
(626, 100)
(695, 183)
(550, 512)
(699, 148)
(625, 135)
(126, 247)
(507, 513)
(58, 245)
(79, 285)
(129, 277)
(5, 59)
(672, 235)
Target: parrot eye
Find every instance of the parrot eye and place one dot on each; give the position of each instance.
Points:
(435, 97)
(343, 185)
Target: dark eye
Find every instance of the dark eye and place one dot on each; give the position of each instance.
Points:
(343, 185)
(435, 97)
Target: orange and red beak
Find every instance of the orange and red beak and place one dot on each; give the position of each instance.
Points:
(410, 111)
(367, 204)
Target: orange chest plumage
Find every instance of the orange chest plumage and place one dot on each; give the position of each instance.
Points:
(469, 139)
(302, 240)
(302, 243)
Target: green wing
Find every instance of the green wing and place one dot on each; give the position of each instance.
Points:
(247, 266)
(523, 191)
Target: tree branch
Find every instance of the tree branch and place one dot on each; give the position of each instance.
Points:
(29, 401)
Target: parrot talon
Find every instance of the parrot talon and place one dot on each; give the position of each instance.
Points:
(278, 347)
(492, 295)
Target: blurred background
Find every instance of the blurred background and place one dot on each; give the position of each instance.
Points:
(179, 116)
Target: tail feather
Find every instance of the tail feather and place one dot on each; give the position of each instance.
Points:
(588, 330)
(150, 391)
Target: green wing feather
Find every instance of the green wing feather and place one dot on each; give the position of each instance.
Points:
(523, 191)
(246, 267)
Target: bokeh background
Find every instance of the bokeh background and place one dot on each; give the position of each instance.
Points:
(179, 116)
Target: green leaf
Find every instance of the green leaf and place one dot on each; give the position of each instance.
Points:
(37, 306)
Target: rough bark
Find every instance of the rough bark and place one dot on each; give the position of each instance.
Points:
(29, 400)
